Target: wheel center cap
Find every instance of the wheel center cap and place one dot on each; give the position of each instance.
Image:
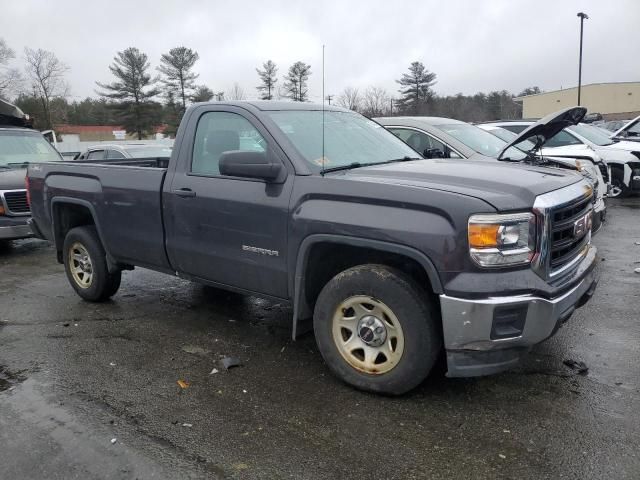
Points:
(372, 331)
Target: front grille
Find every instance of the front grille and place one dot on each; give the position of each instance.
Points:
(17, 201)
(564, 245)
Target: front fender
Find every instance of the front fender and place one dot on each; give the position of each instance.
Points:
(302, 310)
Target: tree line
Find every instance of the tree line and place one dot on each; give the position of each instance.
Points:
(139, 97)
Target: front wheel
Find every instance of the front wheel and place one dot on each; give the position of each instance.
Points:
(618, 188)
(377, 330)
(85, 263)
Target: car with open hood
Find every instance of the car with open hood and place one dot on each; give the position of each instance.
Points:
(20, 146)
(448, 138)
(622, 157)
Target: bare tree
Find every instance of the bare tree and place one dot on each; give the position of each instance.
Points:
(376, 102)
(46, 74)
(236, 92)
(10, 78)
(350, 98)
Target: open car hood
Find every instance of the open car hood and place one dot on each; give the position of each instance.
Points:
(548, 126)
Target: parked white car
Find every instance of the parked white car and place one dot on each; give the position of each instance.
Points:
(586, 141)
(587, 167)
(629, 131)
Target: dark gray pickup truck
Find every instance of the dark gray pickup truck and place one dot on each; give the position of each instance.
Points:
(396, 258)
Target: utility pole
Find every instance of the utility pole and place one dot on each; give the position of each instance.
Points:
(582, 16)
(329, 98)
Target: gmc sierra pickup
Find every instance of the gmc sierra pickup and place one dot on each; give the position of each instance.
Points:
(394, 257)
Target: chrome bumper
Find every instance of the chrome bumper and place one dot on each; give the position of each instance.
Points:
(15, 232)
(476, 346)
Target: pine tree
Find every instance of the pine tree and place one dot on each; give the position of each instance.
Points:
(177, 74)
(296, 82)
(268, 77)
(202, 93)
(416, 88)
(134, 89)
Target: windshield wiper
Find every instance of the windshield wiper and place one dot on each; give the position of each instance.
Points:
(406, 158)
(20, 164)
(344, 167)
(349, 166)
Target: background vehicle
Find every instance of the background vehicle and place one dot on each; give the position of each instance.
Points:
(448, 138)
(392, 255)
(20, 146)
(614, 125)
(124, 151)
(630, 131)
(621, 156)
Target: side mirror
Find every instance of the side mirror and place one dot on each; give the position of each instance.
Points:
(238, 163)
(433, 153)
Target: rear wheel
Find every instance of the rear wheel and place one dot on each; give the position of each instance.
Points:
(376, 329)
(86, 265)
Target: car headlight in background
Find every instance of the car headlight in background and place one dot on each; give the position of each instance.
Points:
(502, 240)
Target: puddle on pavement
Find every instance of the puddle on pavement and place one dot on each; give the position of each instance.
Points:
(8, 378)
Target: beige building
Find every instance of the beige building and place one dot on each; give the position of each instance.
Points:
(615, 101)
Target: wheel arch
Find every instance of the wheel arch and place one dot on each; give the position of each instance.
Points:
(68, 213)
(305, 290)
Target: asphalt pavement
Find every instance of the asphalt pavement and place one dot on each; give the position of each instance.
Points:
(91, 390)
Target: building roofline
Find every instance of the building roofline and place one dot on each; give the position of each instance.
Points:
(573, 88)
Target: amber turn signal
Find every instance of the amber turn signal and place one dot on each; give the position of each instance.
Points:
(483, 235)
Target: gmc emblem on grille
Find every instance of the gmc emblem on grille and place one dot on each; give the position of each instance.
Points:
(582, 226)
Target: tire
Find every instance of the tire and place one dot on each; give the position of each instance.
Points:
(618, 188)
(86, 265)
(377, 296)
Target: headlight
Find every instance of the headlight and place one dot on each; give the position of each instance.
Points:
(502, 240)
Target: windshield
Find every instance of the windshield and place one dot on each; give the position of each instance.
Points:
(481, 141)
(593, 134)
(18, 148)
(348, 138)
(152, 151)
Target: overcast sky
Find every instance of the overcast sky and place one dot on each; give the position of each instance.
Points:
(471, 45)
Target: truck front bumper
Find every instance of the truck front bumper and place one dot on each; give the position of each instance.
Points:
(486, 336)
(12, 228)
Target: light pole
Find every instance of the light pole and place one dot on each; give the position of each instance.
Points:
(582, 16)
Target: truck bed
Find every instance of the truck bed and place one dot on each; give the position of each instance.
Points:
(126, 195)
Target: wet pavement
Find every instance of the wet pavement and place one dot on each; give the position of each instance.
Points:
(76, 376)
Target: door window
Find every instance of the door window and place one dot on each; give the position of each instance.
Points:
(562, 139)
(220, 132)
(114, 154)
(95, 155)
(420, 141)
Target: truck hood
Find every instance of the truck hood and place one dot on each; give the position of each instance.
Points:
(505, 186)
(12, 179)
(624, 145)
(548, 126)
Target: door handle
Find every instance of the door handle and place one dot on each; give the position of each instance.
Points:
(184, 192)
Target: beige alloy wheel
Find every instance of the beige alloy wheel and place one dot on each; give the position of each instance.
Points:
(80, 265)
(368, 335)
